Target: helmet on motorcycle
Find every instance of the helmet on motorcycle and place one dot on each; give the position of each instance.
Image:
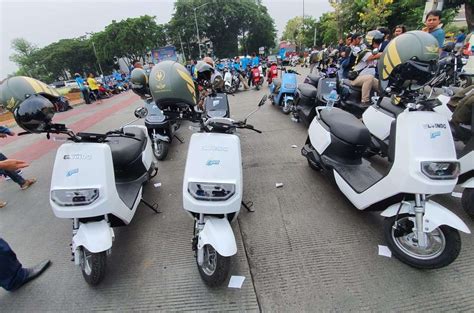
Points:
(204, 72)
(15, 90)
(170, 85)
(374, 36)
(139, 81)
(34, 114)
(408, 60)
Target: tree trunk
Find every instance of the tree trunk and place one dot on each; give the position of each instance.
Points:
(469, 17)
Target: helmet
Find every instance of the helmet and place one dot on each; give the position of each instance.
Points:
(15, 90)
(374, 36)
(139, 80)
(34, 114)
(204, 72)
(171, 84)
(408, 59)
(209, 61)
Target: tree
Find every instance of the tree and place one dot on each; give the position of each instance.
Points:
(375, 12)
(300, 31)
(224, 23)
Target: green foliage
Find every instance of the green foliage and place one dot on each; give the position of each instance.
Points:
(225, 23)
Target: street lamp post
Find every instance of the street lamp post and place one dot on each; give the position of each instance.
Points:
(95, 53)
(197, 28)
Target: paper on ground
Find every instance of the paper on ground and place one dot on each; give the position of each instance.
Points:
(456, 194)
(294, 146)
(236, 281)
(385, 251)
(157, 185)
(278, 185)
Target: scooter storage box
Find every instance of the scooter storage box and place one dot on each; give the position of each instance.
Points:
(217, 105)
(325, 86)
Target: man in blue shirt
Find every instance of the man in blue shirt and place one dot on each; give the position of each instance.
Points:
(255, 60)
(434, 27)
(83, 88)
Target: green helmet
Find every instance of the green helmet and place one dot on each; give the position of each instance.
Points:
(171, 84)
(139, 81)
(410, 58)
(15, 90)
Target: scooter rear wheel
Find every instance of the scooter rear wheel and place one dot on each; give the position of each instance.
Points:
(93, 266)
(467, 201)
(160, 149)
(444, 244)
(215, 268)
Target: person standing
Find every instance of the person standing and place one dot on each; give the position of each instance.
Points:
(313, 59)
(93, 86)
(399, 29)
(83, 88)
(12, 273)
(460, 40)
(435, 28)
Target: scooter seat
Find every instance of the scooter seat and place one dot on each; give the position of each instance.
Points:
(126, 152)
(313, 79)
(387, 105)
(346, 126)
(307, 90)
(355, 88)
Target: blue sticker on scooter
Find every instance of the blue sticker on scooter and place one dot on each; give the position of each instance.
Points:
(72, 172)
(212, 162)
(435, 134)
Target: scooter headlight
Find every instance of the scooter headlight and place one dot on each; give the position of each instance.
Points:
(74, 197)
(210, 191)
(440, 170)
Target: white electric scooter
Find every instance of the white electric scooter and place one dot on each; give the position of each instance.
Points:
(379, 119)
(97, 182)
(212, 184)
(419, 231)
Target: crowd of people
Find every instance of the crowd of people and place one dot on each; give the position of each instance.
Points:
(93, 89)
(357, 54)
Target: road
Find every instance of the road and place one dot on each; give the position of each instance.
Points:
(305, 248)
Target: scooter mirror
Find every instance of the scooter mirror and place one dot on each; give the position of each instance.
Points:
(262, 102)
(141, 112)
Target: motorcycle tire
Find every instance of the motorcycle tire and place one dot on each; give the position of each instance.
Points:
(257, 86)
(401, 243)
(160, 149)
(464, 81)
(215, 268)
(286, 109)
(467, 201)
(93, 266)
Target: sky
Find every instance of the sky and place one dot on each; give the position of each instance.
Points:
(46, 21)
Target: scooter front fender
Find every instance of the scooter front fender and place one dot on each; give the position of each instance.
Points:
(218, 233)
(435, 216)
(94, 236)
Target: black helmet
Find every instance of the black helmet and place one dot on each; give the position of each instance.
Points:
(171, 85)
(139, 80)
(204, 72)
(409, 59)
(374, 36)
(34, 114)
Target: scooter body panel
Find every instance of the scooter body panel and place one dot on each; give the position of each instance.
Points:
(319, 136)
(148, 157)
(213, 158)
(377, 122)
(467, 162)
(218, 233)
(428, 140)
(435, 215)
(94, 236)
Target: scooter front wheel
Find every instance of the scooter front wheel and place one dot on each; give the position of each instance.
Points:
(444, 243)
(93, 266)
(160, 149)
(215, 267)
(467, 201)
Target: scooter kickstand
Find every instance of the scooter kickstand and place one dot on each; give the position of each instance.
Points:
(179, 139)
(248, 206)
(152, 207)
